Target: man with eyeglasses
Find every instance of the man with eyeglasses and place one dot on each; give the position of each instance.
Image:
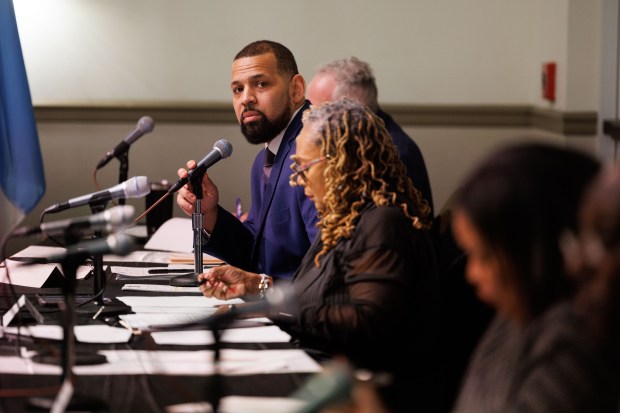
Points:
(269, 99)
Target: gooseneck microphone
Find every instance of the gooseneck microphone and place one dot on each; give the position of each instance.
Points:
(221, 149)
(278, 303)
(117, 244)
(108, 221)
(145, 125)
(136, 187)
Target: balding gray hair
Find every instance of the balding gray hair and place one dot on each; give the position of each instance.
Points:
(354, 80)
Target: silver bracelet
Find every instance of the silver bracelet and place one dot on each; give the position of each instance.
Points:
(263, 286)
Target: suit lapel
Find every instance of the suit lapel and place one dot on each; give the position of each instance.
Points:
(278, 171)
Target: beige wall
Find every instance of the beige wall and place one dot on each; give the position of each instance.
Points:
(423, 51)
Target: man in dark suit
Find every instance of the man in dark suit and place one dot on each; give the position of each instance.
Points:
(269, 99)
(353, 78)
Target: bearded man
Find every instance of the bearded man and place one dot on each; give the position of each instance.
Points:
(269, 99)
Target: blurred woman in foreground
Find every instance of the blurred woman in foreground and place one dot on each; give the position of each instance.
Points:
(536, 355)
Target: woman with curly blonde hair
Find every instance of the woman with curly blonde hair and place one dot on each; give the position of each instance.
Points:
(369, 279)
(365, 170)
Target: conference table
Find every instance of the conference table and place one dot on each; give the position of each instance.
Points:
(122, 362)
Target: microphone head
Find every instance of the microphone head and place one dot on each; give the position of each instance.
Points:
(119, 216)
(146, 124)
(120, 244)
(224, 147)
(137, 187)
(117, 244)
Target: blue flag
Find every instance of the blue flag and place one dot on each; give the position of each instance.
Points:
(22, 179)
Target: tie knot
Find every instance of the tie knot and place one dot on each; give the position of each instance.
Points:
(269, 157)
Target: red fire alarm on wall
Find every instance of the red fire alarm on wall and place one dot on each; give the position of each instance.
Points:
(548, 81)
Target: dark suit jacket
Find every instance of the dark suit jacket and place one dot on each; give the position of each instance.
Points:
(411, 156)
(281, 222)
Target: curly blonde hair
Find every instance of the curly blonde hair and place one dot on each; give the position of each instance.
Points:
(363, 167)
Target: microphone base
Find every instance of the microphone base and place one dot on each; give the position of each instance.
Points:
(76, 404)
(79, 359)
(104, 307)
(185, 280)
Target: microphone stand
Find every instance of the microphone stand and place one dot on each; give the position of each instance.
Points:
(191, 279)
(102, 304)
(99, 279)
(215, 390)
(123, 170)
(69, 267)
(65, 398)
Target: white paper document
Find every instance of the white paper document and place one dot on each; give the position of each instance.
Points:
(25, 275)
(170, 310)
(262, 334)
(34, 275)
(139, 272)
(157, 257)
(175, 235)
(161, 288)
(84, 334)
(242, 404)
(200, 363)
(192, 301)
(145, 321)
(187, 363)
(38, 251)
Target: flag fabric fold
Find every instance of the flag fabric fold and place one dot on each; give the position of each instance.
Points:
(22, 178)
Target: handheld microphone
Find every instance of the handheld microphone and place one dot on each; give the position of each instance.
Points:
(136, 187)
(119, 244)
(334, 384)
(221, 149)
(107, 221)
(145, 125)
(278, 302)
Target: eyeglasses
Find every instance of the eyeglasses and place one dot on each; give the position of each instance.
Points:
(299, 171)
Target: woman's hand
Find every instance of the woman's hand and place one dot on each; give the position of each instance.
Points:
(226, 282)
